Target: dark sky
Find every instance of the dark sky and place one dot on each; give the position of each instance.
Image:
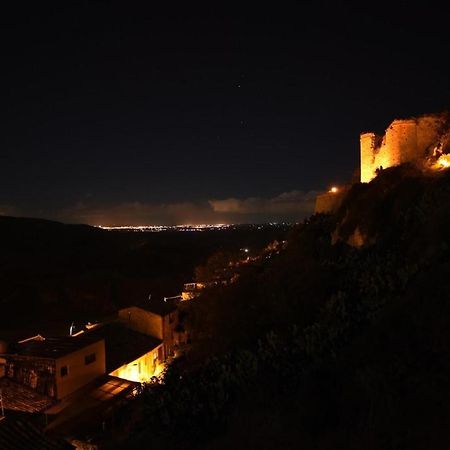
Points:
(121, 112)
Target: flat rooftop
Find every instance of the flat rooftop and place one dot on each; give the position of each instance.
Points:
(159, 307)
(52, 347)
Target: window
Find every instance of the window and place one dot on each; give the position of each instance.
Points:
(64, 371)
(89, 359)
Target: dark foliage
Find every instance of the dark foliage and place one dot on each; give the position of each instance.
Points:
(324, 346)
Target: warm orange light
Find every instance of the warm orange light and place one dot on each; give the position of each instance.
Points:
(443, 162)
(142, 369)
(334, 189)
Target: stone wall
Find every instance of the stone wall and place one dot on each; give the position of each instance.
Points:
(328, 202)
(404, 141)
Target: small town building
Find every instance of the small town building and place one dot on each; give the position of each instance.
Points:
(131, 355)
(158, 319)
(192, 290)
(55, 366)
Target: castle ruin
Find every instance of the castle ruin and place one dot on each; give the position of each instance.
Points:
(405, 140)
(424, 139)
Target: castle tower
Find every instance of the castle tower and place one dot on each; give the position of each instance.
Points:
(367, 149)
(399, 145)
(401, 142)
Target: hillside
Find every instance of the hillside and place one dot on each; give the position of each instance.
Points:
(328, 345)
(52, 273)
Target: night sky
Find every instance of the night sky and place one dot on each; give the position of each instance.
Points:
(121, 113)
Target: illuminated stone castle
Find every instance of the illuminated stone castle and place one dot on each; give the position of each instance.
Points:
(405, 140)
(424, 140)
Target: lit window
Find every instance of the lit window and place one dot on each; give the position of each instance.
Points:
(64, 371)
(89, 359)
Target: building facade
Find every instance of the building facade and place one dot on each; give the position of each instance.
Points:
(55, 367)
(157, 320)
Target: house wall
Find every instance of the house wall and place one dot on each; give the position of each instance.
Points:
(169, 324)
(143, 368)
(79, 373)
(151, 324)
(145, 322)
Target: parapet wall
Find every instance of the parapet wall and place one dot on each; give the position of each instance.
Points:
(404, 141)
(328, 202)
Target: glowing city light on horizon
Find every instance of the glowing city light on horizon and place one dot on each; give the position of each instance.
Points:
(157, 228)
(190, 227)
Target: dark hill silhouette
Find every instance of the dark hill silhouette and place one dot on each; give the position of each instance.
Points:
(55, 273)
(327, 345)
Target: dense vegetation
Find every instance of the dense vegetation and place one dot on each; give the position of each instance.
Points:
(325, 345)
